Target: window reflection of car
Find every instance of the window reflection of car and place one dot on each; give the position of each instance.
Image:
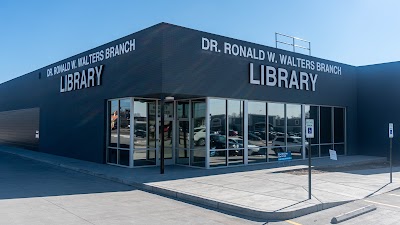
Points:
(199, 135)
(219, 142)
(252, 149)
(294, 144)
(140, 133)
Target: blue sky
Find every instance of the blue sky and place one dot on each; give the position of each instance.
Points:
(38, 33)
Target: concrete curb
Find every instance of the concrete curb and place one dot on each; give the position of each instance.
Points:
(236, 209)
(352, 214)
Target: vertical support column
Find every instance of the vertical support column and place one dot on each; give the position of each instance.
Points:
(267, 132)
(286, 125)
(191, 138)
(319, 131)
(245, 132)
(309, 168)
(162, 159)
(118, 126)
(294, 47)
(207, 133)
(391, 167)
(131, 132)
(333, 127)
(303, 134)
(157, 130)
(108, 122)
(175, 132)
(345, 130)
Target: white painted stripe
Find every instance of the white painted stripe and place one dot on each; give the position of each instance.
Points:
(292, 222)
(379, 203)
(394, 195)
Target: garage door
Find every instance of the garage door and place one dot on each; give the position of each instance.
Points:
(19, 128)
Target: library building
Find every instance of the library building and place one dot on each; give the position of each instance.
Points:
(169, 95)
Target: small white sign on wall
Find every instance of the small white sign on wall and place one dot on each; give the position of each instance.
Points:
(332, 154)
(37, 134)
(390, 130)
(309, 128)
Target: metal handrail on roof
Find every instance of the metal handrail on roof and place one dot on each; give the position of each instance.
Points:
(293, 42)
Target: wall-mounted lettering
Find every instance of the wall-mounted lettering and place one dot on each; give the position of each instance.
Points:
(80, 80)
(280, 77)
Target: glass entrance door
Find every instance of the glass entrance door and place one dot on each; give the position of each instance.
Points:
(168, 140)
(169, 133)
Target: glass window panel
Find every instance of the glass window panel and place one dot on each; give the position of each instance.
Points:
(295, 150)
(314, 150)
(113, 127)
(112, 156)
(257, 155)
(312, 112)
(276, 119)
(144, 123)
(339, 125)
(294, 125)
(273, 153)
(235, 157)
(198, 124)
(325, 150)
(218, 158)
(168, 138)
(168, 110)
(257, 123)
(339, 149)
(167, 153)
(235, 118)
(124, 122)
(151, 130)
(144, 157)
(326, 125)
(123, 157)
(182, 156)
(217, 124)
(217, 141)
(182, 109)
(198, 158)
(183, 134)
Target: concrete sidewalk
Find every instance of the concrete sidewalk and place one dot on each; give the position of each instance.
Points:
(262, 191)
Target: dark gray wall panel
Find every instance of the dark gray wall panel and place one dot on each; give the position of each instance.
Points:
(187, 69)
(378, 93)
(72, 124)
(18, 127)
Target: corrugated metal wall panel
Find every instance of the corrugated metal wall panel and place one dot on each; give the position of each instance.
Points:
(18, 128)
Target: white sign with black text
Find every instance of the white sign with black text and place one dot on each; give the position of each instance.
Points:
(309, 128)
(390, 130)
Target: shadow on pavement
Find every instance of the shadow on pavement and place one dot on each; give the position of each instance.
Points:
(25, 178)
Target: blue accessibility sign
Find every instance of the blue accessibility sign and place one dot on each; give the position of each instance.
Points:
(282, 156)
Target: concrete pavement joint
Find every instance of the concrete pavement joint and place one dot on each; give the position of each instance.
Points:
(66, 210)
